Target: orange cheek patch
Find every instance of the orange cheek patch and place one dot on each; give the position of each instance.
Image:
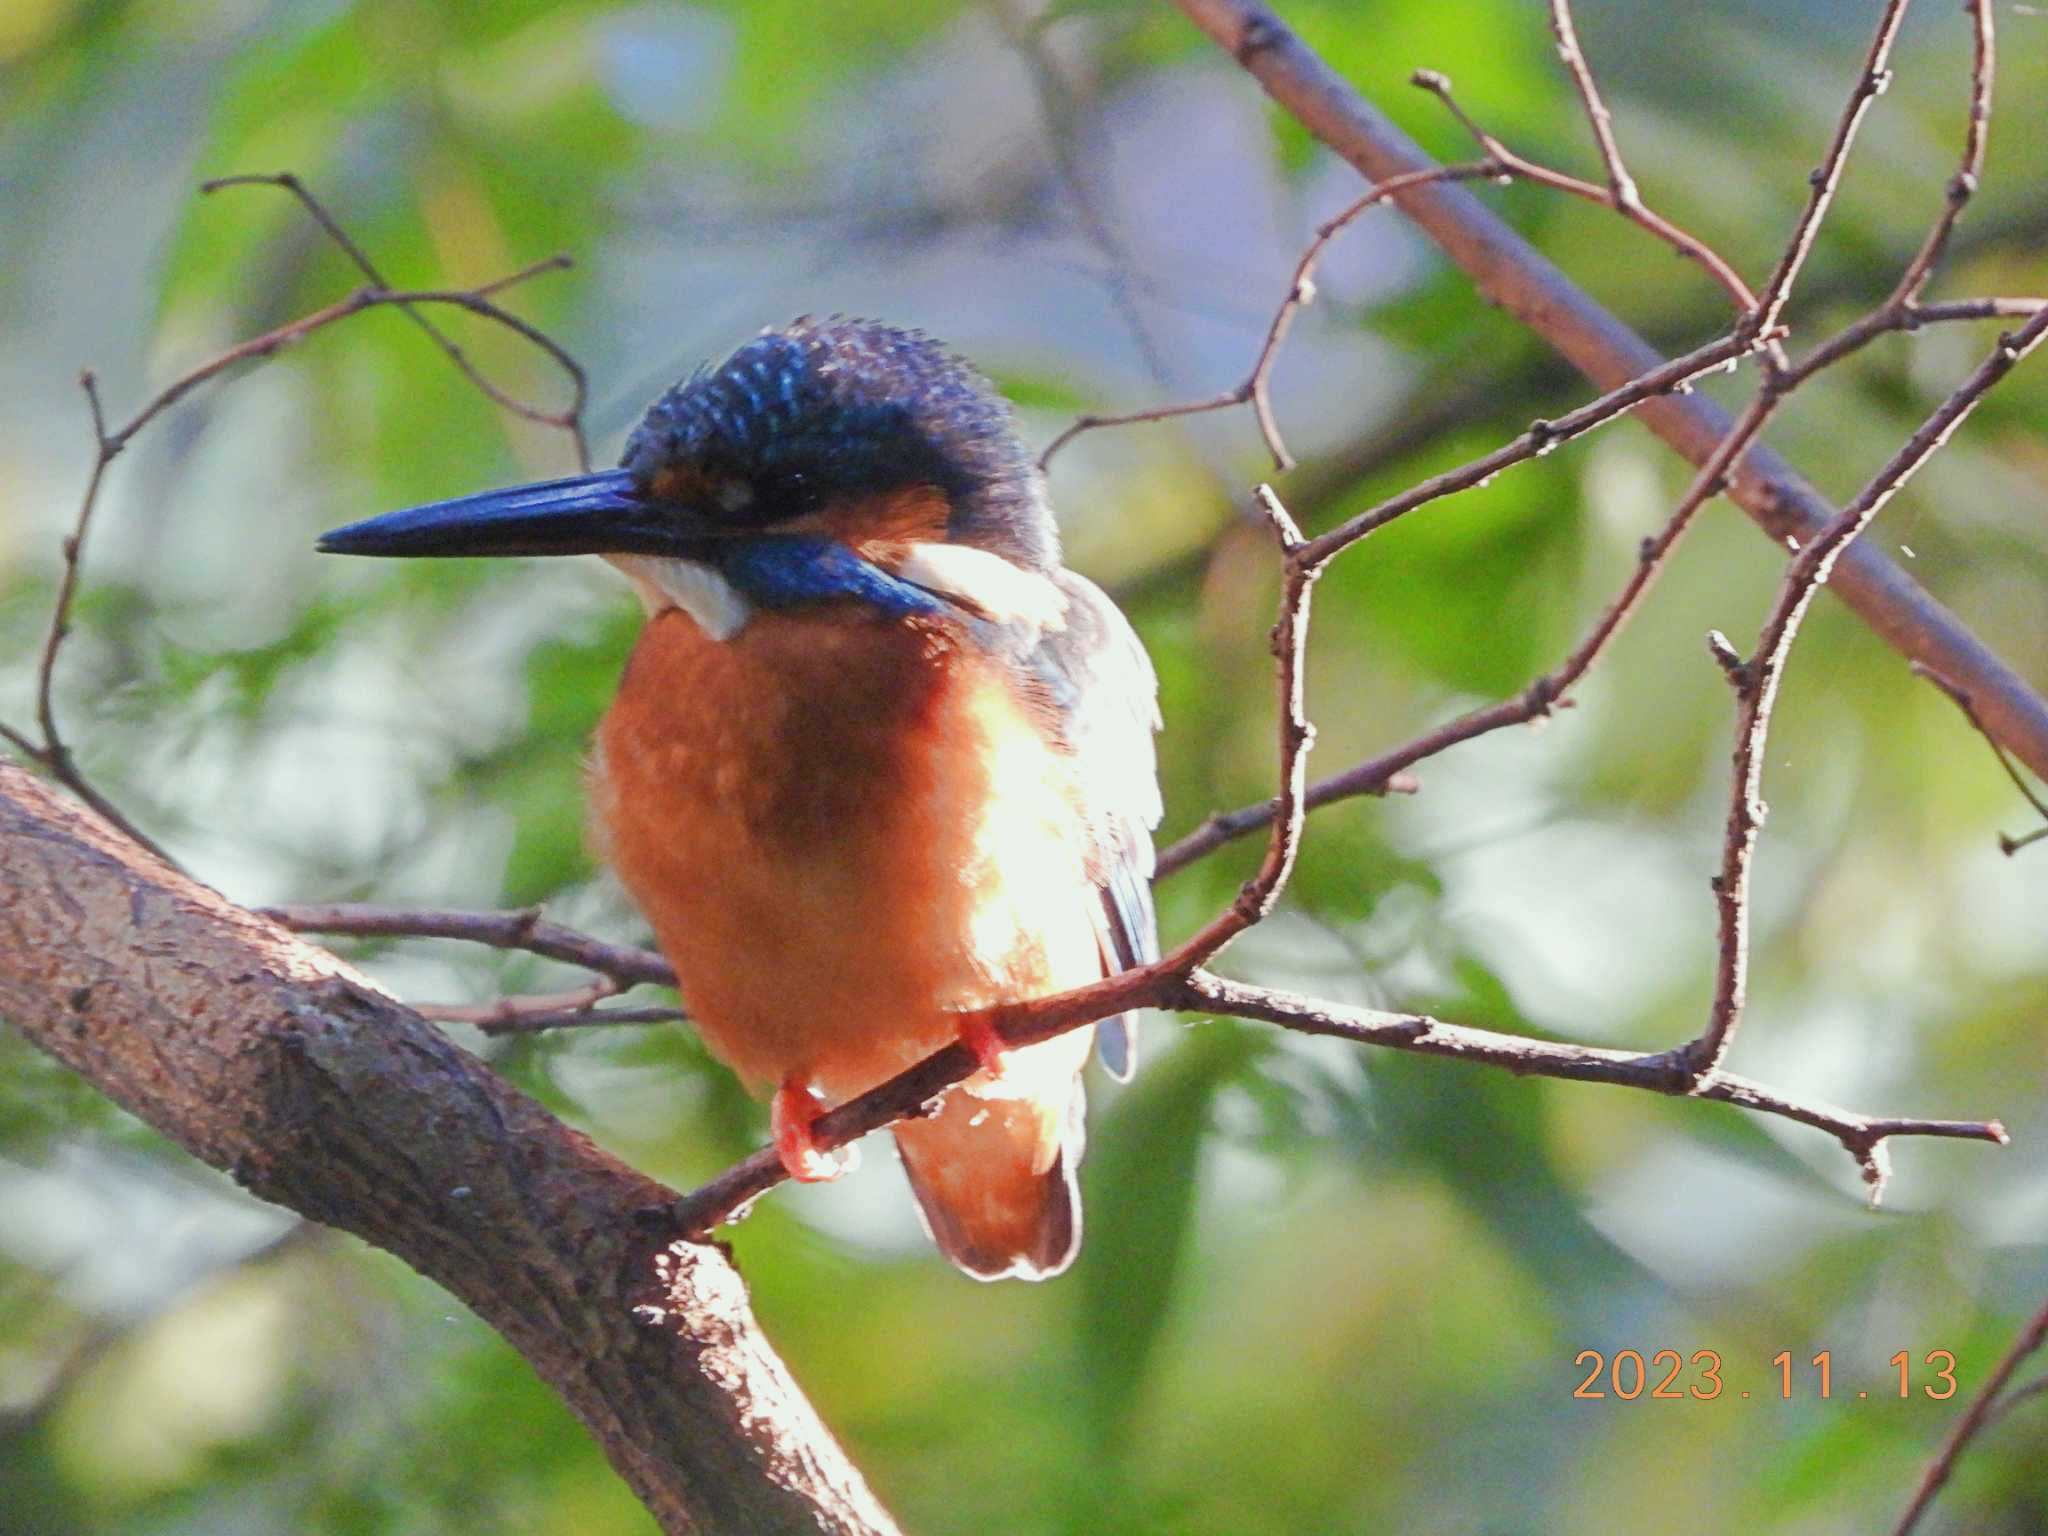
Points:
(680, 482)
(882, 525)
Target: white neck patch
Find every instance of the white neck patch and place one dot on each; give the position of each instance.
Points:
(986, 584)
(713, 603)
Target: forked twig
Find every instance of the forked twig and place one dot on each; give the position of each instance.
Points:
(1757, 680)
(569, 419)
(51, 752)
(1631, 208)
(1824, 179)
(1621, 186)
(1254, 389)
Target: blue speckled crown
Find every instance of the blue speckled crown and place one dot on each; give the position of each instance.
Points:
(838, 407)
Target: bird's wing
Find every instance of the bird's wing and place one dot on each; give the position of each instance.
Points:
(1107, 702)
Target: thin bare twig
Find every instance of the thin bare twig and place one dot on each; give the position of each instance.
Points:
(615, 967)
(1893, 316)
(1959, 696)
(1963, 185)
(1687, 245)
(52, 753)
(523, 929)
(569, 419)
(2017, 1397)
(1870, 84)
(1500, 164)
(1157, 986)
(1543, 437)
(1902, 309)
(1621, 187)
(508, 1010)
(579, 1018)
(1253, 389)
(1757, 680)
(1289, 807)
(1974, 1418)
(1077, 172)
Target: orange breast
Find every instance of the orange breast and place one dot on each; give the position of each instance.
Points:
(841, 828)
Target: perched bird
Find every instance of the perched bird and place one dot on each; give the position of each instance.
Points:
(878, 757)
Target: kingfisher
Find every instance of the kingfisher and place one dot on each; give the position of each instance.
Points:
(878, 758)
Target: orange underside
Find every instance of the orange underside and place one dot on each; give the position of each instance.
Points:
(843, 829)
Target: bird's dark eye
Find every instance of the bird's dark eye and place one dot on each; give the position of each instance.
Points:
(783, 494)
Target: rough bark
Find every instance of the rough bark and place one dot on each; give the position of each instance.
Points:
(269, 1058)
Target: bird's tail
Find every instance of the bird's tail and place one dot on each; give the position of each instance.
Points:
(994, 1176)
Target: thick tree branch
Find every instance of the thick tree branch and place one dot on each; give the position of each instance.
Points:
(272, 1060)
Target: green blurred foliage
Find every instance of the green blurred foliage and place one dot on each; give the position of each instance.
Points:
(1323, 1290)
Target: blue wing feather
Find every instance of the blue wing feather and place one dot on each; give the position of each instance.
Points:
(1106, 699)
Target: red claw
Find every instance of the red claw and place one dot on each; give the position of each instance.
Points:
(791, 1113)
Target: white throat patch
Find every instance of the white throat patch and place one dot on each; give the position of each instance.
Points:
(713, 603)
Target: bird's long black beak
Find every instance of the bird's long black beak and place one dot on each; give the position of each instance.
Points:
(597, 514)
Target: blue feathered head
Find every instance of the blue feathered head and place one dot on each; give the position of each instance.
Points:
(826, 409)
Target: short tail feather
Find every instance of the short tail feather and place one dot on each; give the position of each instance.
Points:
(994, 1179)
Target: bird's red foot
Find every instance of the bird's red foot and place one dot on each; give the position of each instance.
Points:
(791, 1113)
(980, 1037)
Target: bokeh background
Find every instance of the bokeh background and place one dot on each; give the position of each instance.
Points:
(1324, 1290)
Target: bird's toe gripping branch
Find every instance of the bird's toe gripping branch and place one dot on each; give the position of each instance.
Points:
(980, 1037)
(791, 1114)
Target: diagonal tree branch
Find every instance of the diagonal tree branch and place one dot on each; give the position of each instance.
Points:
(1986, 1406)
(1254, 389)
(1827, 176)
(1169, 984)
(272, 1060)
(1529, 286)
(1621, 187)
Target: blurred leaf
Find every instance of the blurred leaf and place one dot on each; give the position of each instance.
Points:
(1140, 1183)
(1484, 1133)
(1472, 589)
